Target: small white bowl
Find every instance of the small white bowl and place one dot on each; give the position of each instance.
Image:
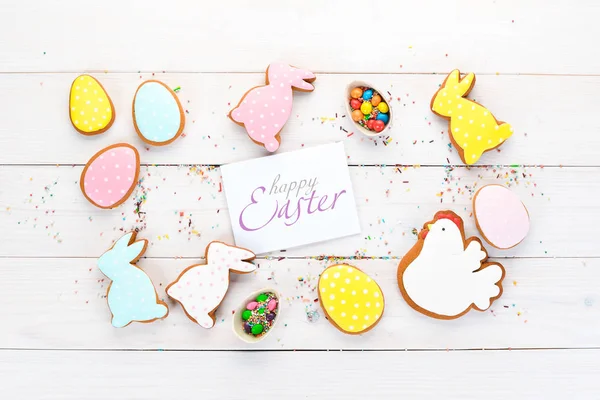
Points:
(238, 328)
(365, 131)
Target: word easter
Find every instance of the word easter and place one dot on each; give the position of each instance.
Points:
(290, 211)
(291, 199)
(287, 188)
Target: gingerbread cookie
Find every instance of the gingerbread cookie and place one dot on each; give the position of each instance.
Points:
(110, 176)
(351, 300)
(264, 110)
(131, 294)
(201, 288)
(90, 108)
(158, 117)
(501, 217)
(473, 128)
(443, 276)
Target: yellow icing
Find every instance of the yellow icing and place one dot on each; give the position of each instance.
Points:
(89, 105)
(350, 298)
(473, 127)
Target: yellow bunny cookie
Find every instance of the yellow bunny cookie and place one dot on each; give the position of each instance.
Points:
(473, 128)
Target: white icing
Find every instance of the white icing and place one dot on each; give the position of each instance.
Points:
(442, 279)
(201, 288)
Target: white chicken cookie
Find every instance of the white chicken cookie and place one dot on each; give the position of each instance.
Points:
(443, 276)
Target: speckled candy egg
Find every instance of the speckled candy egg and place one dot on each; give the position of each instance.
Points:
(352, 301)
(111, 175)
(500, 215)
(157, 114)
(90, 109)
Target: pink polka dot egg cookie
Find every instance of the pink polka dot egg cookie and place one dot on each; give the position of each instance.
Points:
(501, 217)
(110, 176)
(368, 109)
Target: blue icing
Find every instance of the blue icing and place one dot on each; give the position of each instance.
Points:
(131, 296)
(156, 113)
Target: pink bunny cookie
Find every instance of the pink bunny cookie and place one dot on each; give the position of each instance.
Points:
(201, 288)
(265, 109)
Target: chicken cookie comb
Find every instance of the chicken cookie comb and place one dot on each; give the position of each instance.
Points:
(442, 215)
(444, 276)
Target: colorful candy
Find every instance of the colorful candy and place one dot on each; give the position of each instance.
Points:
(383, 117)
(368, 109)
(357, 115)
(259, 315)
(355, 103)
(378, 125)
(376, 100)
(383, 107)
(356, 93)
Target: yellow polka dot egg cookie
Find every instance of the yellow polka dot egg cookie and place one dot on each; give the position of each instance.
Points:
(352, 301)
(91, 110)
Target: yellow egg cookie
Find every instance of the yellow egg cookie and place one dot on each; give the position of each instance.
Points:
(90, 108)
(352, 301)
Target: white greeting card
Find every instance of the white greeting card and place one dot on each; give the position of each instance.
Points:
(291, 199)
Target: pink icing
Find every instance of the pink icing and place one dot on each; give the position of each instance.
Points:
(111, 175)
(265, 109)
(502, 218)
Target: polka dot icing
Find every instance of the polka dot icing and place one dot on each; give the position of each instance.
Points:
(111, 175)
(500, 215)
(157, 114)
(90, 108)
(201, 288)
(264, 110)
(352, 300)
(473, 128)
(131, 295)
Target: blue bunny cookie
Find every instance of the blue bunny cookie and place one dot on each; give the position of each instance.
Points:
(131, 294)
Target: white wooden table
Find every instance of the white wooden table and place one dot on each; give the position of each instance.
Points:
(538, 67)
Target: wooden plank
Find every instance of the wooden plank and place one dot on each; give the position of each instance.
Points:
(44, 213)
(483, 36)
(472, 375)
(554, 120)
(61, 304)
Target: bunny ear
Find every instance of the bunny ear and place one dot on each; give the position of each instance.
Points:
(240, 260)
(466, 84)
(135, 250)
(452, 78)
(124, 241)
(242, 254)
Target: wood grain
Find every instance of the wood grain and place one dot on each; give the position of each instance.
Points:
(182, 209)
(547, 303)
(554, 118)
(470, 375)
(488, 36)
(536, 68)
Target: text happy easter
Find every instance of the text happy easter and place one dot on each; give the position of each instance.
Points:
(285, 201)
